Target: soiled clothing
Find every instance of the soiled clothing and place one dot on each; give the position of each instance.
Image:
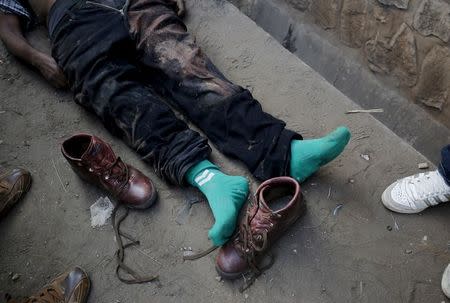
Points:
(120, 59)
(17, 7)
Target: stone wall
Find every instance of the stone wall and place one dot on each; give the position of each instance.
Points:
(405, 41)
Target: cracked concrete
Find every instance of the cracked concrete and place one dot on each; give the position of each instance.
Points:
(361, 253)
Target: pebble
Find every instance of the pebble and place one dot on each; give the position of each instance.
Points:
(423, 165)
(351, 181)
(246, 296)
(408, 251)
(218, 278)
(15, 277)
(365, 157)
(295, 251)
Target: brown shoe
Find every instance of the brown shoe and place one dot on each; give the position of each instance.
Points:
(70, 287)
(261, 226)
(14, 184)
(94, 161)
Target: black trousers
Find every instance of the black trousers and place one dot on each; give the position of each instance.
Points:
(120, 58)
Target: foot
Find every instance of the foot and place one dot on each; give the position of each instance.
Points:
(307, 156)
(72, 286)
(14, 184)
(415, 193)
(225, 194)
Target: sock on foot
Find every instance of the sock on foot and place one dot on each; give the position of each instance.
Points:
(307, 156)
(225, 194)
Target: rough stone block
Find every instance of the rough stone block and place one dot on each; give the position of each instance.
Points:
(403, 4)
(433, 88)
(396, 57)
(326, 12)
(353, 22)
(433, 18)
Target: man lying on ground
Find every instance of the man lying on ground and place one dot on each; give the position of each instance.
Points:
(120, 56)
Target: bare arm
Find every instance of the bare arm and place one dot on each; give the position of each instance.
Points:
(12, 36)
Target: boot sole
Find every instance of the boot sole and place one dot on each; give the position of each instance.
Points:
(229, 276)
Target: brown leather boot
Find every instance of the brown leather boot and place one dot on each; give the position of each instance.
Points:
(278, 204)
(70, 287)
(14, 184)
(94, 161)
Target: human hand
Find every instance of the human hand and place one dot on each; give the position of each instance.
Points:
(50, 70)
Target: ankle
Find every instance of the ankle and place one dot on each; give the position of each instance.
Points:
(194, 173)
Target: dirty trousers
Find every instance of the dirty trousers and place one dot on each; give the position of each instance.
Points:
(127, 60)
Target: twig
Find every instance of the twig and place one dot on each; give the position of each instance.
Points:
(338, 207)
(365, 111)
(395, 223)
(362, 137)
(59, 177)
(329, 193)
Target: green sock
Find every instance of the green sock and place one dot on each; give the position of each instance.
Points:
(307, 156)
(226, 195)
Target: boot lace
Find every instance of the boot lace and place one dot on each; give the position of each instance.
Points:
(254, 242)
(117, 171)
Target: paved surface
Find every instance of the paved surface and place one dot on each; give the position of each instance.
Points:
(348, 257)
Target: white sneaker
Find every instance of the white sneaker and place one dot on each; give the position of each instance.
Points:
(415, 193)
(445, 284)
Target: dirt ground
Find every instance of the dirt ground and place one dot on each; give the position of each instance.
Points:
(358, 253)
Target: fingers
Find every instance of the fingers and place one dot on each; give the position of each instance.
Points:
(59, 80)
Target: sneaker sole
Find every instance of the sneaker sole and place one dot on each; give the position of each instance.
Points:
(386, 200)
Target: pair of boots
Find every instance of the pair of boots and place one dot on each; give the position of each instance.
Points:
(278, 203)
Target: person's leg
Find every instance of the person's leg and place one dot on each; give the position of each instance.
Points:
(106, 83)
(228, 114)
(444, 166)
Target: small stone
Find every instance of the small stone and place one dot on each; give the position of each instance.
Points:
(2, 111)
(67, 183)
(218, 278)
(351, 181)
(365, 157)
(15, 277)
(77, 196)
(245, 296)
(423, 165)
(26, 143)
(425, 238)
(389, 227)
(408, 251)
(294, 251)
